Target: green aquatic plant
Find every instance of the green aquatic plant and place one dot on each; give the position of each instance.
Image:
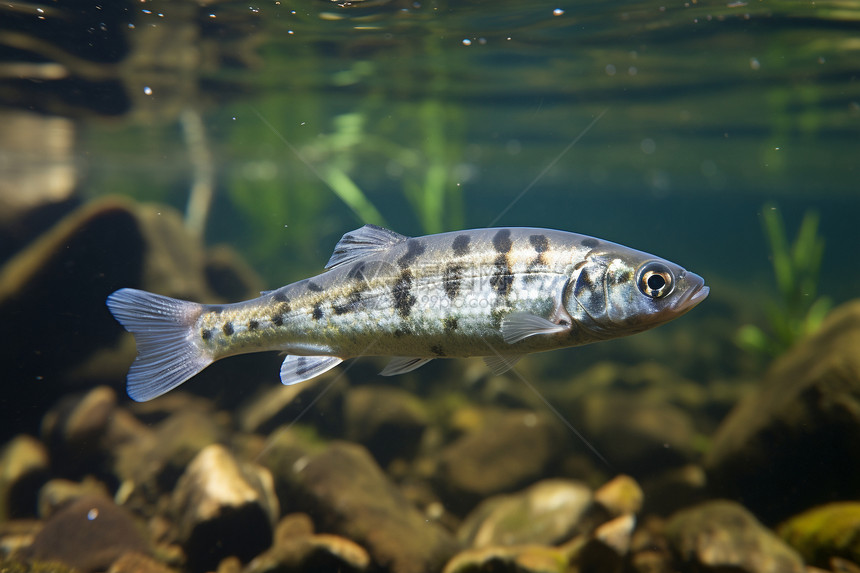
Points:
(798, 311)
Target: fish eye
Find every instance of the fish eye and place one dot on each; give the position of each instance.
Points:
(655, 280)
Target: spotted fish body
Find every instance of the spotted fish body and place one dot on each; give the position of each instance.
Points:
(497, 293)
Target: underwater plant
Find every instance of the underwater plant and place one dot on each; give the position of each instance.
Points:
(797, 311)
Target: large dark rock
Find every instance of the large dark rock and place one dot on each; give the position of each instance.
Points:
(345, 492)
(53, 291)
(89, 534)
(723, 536)
(504, 454)
(387, 421)
(793, 444)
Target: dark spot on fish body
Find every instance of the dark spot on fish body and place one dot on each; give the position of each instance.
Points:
(281, 309)
(352, 303)
(205, 334)
(450, 324)
(280, 297)
(451, 280)
(414, 249)
(540, 243)
(502, 241)
(402, 294)
(539, 263)
(589, 242)
(227, 328)
(253, 324)
(317, 313)
(503, 277)
(314, 287)
(461, 245)
(437, 350)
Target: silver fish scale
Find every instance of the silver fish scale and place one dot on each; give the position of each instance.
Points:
(440, 295)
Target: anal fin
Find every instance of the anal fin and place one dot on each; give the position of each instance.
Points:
(403, 364)
(297, 369)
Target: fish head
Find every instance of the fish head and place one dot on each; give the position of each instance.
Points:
(620, 292)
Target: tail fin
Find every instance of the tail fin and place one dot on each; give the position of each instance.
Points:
(167, 353)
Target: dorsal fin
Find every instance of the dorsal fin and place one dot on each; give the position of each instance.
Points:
(362, 242)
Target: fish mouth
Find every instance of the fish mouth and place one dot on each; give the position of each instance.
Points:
(693, 295)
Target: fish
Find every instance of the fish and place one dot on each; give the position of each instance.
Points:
(496, 293)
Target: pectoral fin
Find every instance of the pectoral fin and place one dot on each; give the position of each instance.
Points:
(520, 325)
(401, 365)
(297, 369)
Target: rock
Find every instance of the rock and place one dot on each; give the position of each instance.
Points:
(498, 458)
(546, 513)
(80, 420)
(74, 429)
(346, 493)
(837, 565)
(223, 508)
(518, 559)
(674, 489)
(796, 437)
(722, 535)
(287, 449)
(152, 464)
(17, 564)
(60, 280)
(137, 563)
(297, 548)
(637, 432)
(650, 551)
(229, 276)
(17, 535)
(387, 421)
(620, 496)
(89, 535)
(59, 492)
(53, 291)
(616, 534)
(827, 531)
(24, 467)
(582, 554)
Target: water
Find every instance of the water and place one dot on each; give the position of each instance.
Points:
(664, 126)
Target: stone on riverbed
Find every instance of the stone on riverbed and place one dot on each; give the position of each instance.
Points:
(223, 507)
(346, 493)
